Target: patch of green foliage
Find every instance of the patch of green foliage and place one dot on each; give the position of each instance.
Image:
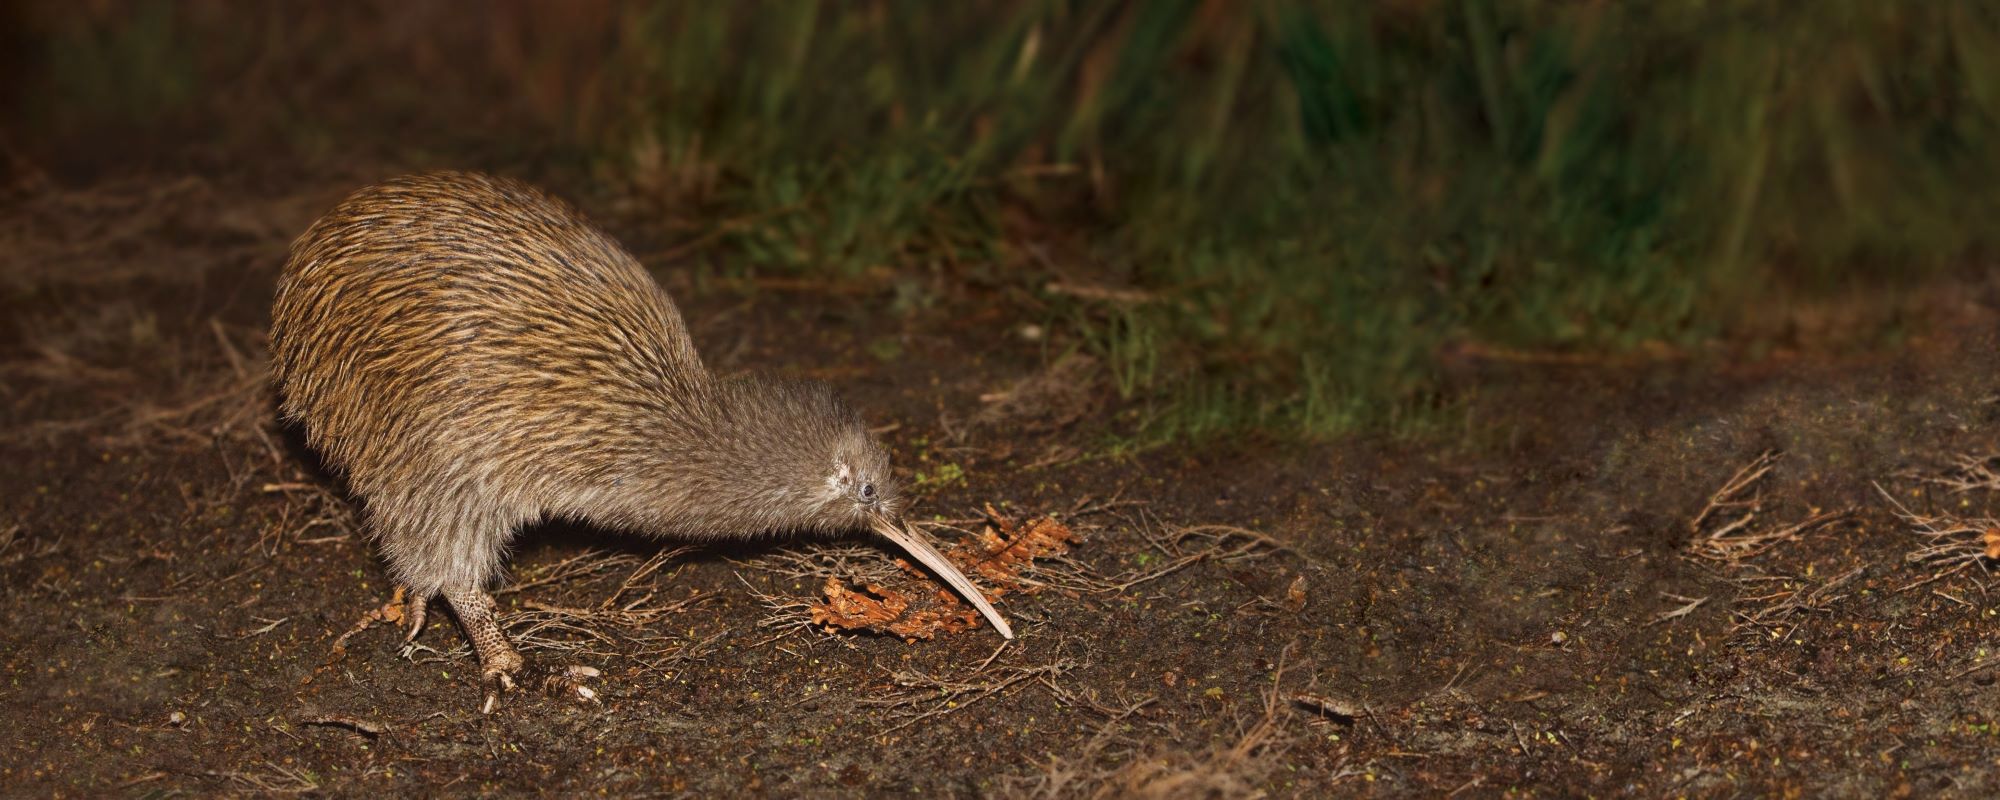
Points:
(1314, 199)
(1322, 196)
(133, 71)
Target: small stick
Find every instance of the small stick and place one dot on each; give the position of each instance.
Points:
(1678, 612)
(228, 349)
(368, 728)
(1725, 497)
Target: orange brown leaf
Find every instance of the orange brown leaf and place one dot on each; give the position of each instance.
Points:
(921, 609)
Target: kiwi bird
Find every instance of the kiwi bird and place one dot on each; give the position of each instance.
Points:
(475, 356)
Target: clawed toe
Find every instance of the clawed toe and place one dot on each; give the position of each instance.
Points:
(501, 667)
(408, 612)
(563, 682)
(415, 610)
(497, 682)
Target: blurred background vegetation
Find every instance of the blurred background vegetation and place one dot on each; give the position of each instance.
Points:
(1290, 216)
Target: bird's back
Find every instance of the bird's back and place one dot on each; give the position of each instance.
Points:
(459, 321)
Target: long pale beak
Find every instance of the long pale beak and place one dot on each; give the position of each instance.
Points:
(914, 543)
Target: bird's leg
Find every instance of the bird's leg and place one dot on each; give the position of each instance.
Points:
(497, 660)
(500, 666)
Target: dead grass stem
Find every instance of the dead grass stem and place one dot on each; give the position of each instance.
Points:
(1951, 544)
(1781, 614)
(921, 696)
(621, 623)
(1115, 766)
(1725, 531)
(1967, 472)
(210, 405)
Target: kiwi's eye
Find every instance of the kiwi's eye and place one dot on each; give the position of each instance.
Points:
(867, 491)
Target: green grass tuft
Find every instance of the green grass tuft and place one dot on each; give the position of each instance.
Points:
(1320, 197)
(1325, 195)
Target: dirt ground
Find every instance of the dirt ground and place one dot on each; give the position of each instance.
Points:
(1547, 606)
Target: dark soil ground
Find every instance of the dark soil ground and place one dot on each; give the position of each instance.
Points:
(1531, 609)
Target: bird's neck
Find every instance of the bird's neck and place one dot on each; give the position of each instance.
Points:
(719, 474)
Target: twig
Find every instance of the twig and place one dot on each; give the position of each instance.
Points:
(1733, 544)
(1967, 473)
(1691, 605)
(369, 728)
(1795, 601)
(1951, 544)
(1981, 664)
(946, 696)
(266, 629)
(1729, 495)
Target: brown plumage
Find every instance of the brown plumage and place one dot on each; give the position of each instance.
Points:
(476, 356)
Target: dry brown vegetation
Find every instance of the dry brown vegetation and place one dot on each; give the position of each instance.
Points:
(1620, 607)
(1117, 763)
(1727, 529)
(1953, 544)
(1002, 554)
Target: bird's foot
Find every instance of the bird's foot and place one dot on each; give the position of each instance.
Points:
(501, 668)
(563, 681)
(405, 609)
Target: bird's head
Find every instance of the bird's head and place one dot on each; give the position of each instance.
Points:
(810, 463)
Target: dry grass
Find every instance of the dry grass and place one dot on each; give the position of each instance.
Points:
(1176, 548)
(1114, 764)
(219, 387)
(619, 624)
(1951, 544)
(1731, 531)
(1054, 398)
(921, 696)
(1965, 473)
(1687, 606)
(590, 615)
(1776, 616)
(67, 237)
(1739, 492)
(1726, 530)
(311, 507)
(270, 779)
(98, 356)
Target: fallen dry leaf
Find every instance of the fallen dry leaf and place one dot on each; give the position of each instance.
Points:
(1003, 550)
(1295, 595)
(1992, 538)
(882, 610)
(1013, 548)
